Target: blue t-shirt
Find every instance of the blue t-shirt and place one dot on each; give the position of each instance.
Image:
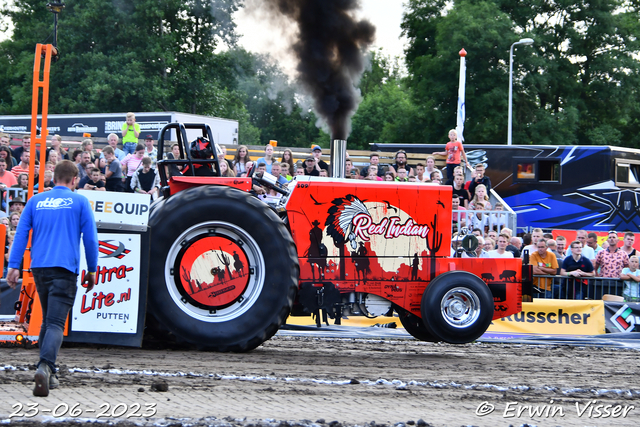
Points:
(262, 160)
(570, 264)
(59, 218)
(120, 155)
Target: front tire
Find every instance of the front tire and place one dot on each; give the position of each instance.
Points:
(415, 326)
(457, 307)
(226, 272)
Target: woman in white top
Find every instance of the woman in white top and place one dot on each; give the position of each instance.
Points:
(241, 160)
(431, 166)
(501, 252)
(480, 196)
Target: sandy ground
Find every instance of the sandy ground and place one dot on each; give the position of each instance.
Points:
(306, 380)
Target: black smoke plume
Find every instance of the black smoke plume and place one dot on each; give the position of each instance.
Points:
(329, 46)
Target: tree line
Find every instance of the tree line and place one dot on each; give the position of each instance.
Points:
(577, 84)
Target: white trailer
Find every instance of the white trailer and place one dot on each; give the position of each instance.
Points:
(225, 131)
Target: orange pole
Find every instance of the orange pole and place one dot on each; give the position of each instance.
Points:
(30, 314)
(40, 83)
(39, 100)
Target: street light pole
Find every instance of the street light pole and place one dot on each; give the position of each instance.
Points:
(55, 7)
(524, 42)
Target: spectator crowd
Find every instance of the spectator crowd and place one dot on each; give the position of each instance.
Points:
(581, 269)
(133, 169)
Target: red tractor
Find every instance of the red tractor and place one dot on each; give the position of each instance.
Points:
(227, 269)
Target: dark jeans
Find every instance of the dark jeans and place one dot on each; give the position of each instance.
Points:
(450, 168)
(114, 184)
(127, 185)
(580, 289)
(56, 288)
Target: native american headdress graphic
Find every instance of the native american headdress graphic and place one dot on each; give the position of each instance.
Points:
(340, 220)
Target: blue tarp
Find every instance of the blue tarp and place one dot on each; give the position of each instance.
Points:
(621, 340)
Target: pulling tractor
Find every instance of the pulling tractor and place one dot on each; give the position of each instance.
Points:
(226, 269)
(219, 268)
(223, 270)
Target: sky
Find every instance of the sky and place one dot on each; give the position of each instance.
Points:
(259, 36)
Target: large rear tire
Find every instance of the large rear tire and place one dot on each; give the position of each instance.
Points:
(457, 307)
(224, 269)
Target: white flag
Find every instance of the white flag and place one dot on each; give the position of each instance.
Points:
(461, 102)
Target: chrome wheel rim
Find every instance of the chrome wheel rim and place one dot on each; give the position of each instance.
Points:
(460, 307)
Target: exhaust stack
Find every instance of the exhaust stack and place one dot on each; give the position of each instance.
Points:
(338, 157)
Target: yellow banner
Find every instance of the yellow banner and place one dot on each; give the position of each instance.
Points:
(554, 317)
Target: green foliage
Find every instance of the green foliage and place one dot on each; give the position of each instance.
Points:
(159, 55)
(387, 110)
(272, 103)
(381, 69)
(578, 83)
(383, 116)
(124, 56)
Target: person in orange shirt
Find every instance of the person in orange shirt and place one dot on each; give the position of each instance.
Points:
(23, 166)
(7, 179)
(454, 151)
(544, 264)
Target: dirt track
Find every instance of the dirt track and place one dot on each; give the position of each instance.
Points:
(353, 381)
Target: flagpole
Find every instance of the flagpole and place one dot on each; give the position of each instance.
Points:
(461, 98)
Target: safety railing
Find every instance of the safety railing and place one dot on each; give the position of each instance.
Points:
(11, 193)
(567, 287)
(483, 219)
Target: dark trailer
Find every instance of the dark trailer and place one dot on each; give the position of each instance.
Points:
(572, 187)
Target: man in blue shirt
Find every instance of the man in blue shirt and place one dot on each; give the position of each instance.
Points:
(577, 266)
(58, 218)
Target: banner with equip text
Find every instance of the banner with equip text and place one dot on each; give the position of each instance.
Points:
(118, 208)
(554, 317)
(112, 305)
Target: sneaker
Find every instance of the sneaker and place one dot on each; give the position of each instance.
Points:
(43, 374)
(53, 382)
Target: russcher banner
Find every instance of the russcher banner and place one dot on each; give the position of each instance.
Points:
(554, 317)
